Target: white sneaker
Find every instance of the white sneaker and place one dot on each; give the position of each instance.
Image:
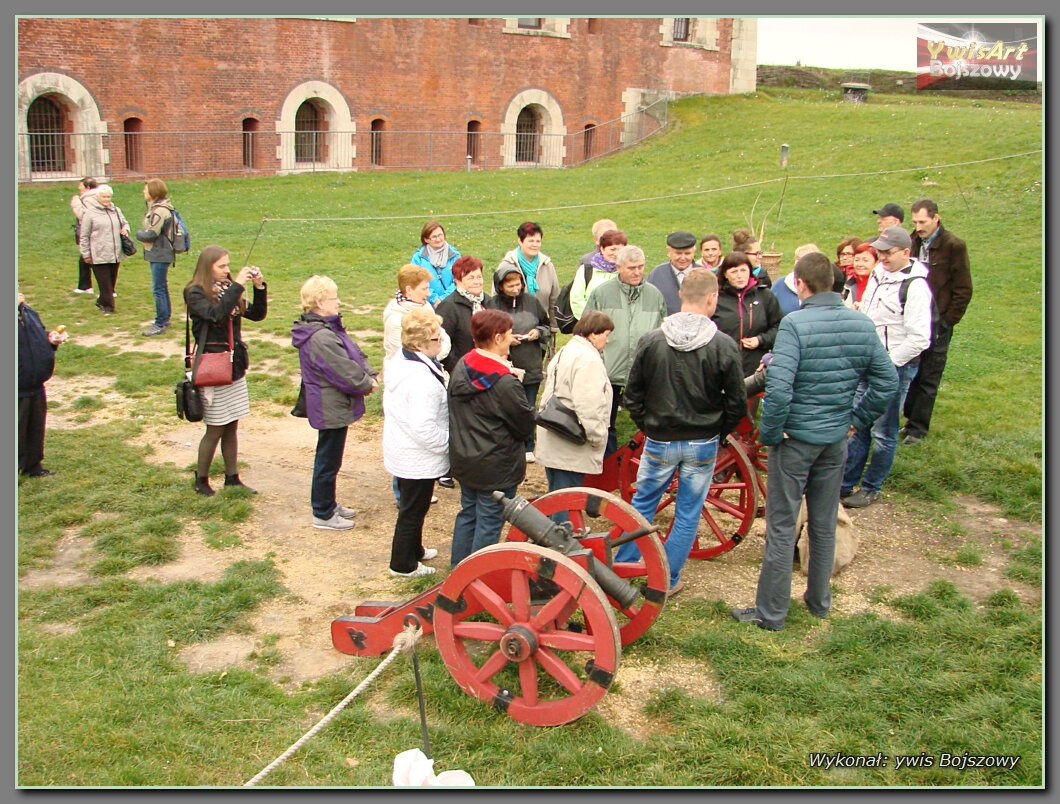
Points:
(531, 458)
(429, 553)
(79, 290)
(336, 522)
(344, 512)
(434, 499)
(421, 570)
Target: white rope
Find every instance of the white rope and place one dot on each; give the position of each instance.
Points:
(662, 197)
(402, 642)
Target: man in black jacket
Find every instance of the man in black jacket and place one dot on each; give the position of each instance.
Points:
(36, 361)
(686, 392)
(946, 258)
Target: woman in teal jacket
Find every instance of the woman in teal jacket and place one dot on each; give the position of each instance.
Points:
(437, 256)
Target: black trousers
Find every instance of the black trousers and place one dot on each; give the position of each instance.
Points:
(106, 278)
(407, 548)
(84, 274)
(920, 401)
(612, 433)
(32, 415)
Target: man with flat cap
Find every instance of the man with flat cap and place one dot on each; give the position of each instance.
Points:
(886, 216)
(681, 249)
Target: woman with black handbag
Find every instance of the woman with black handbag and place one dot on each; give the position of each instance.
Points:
(577, 377)
(103, 226)
(216, 309)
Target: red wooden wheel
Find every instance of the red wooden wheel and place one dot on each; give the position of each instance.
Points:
(598, 517)
(544, 662)
(731, 504)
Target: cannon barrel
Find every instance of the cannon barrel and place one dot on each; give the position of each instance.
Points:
(541, 530)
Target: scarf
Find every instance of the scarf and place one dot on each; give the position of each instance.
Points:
(485, 369)
(476, 301)
(600, 263)
(219, 288)
(529, 268)
(437, 257)
(861, 283)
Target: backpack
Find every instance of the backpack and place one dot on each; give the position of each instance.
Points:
(903, 294)
(180, 238)
(565, 318)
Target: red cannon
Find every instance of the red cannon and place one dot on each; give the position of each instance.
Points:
(535, 625)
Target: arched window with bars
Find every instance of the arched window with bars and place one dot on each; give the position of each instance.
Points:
(308, 134)
(46, 125)
(134, 148)
(528, 135)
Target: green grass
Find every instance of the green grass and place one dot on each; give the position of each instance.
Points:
(939, 674)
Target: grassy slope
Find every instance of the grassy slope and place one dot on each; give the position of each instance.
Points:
(988, 417)
(130, 714)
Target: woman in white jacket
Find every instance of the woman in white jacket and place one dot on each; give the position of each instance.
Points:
(577, 375)
(415, 435)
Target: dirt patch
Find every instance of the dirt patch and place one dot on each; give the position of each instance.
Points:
(67, 568)
(328, 573)
(63, 393)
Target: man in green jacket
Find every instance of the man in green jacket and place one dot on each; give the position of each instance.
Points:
(821, 354)
(636, 308)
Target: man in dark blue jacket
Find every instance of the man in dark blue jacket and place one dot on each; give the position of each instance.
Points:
(36, 361)
(822, 351)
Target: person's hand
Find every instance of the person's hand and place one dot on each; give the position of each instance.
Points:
(245, 276)
(375, 386)
(750, 343)
(532, 335)
(57, 335)
(852, 431)
(259, 280)
(125, 230)
(21, 299)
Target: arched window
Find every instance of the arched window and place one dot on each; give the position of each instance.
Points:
(134, 149)
(46, 124)
(588, 142)
(378, 127)
(250, 128)
(474, 141)
(528, 135)
(308, 134)
(682, 29)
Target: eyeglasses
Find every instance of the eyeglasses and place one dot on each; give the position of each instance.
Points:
(753, 253)
(434, 340)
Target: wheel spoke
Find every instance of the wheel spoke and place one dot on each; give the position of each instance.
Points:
(552, 610)
(482, 632)
(491, 601)
(566, 640)
(727, 507)
(528, 681)
(556, 668)
(494, 664)
(520, 595)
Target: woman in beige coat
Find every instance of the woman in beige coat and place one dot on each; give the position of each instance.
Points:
(578, 376)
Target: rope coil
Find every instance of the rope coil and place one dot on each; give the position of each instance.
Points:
(404, 641)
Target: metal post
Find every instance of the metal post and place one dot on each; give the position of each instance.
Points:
(784, 155)
(469, 157)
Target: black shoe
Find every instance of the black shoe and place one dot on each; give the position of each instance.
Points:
(233, 480)
(42, 472)
(202, 486)
(447, 483)
(911, 439)
(751, 616)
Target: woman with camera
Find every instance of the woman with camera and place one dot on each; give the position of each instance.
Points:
(216, 307)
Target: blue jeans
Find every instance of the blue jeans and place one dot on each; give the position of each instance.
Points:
(479, 522)
(694, 461)
(883, 436)
(331, 444)
(563, 479)
(160, 287)
(531, 397)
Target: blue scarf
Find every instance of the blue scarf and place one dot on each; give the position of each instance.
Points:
(529, 269)
(600, 263)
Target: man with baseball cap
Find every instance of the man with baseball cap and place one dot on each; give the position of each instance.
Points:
(888, 215)
(904, 330)
(667, 277)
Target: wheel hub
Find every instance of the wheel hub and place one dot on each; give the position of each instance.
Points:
(518, 643)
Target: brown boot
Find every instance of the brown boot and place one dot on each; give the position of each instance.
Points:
(202, 486)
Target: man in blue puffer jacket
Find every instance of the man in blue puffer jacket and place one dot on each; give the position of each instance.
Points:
(822, 351)
(36, 362)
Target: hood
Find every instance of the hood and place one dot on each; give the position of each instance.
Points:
(504, 270)
(403, 366)
(309, 324)
(162, 202)
(789, 282)
(480, 373)
(94, 202)
(686, 332)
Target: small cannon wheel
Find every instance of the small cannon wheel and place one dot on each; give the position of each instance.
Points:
(598, 517)
(731, 504)
(544, 662)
